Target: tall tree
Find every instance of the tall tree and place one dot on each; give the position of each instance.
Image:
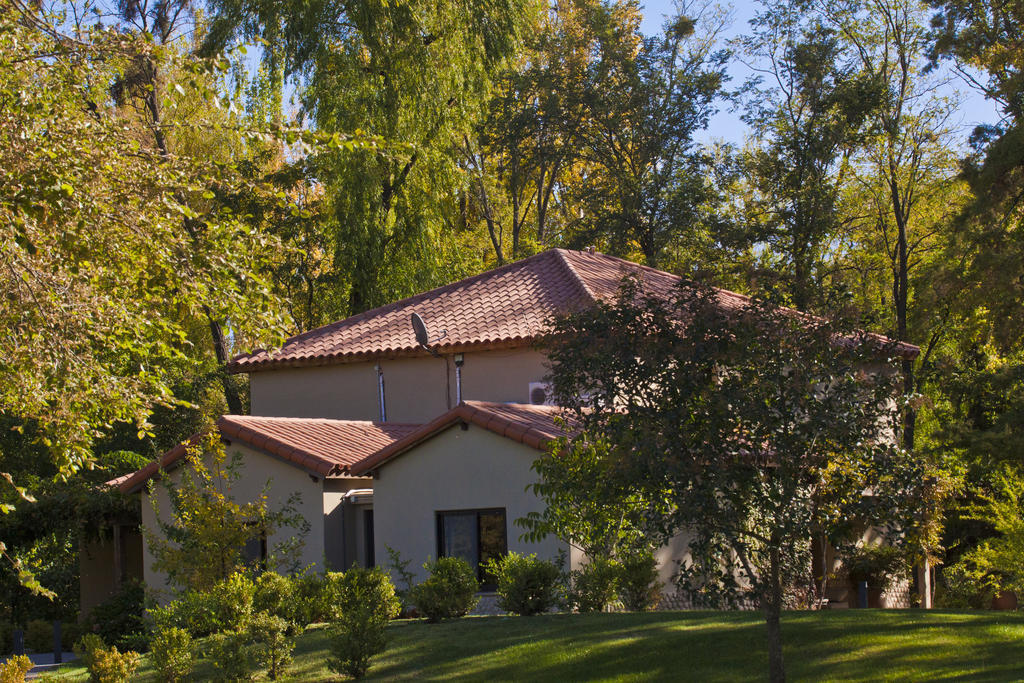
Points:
(746, 427)
(414, 74)
(807, 105)
(645, 99)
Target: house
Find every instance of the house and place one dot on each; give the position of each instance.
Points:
(391, 444)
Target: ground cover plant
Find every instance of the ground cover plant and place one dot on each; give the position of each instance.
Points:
(849, 645)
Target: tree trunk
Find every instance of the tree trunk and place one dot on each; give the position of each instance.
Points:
(773, 614)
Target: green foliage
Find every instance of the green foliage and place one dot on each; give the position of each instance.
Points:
(203, 541)
(172, 652)
(105, 665)
(275, 594)
(449, 591)
(308, 590)
(639, 587)
(527, 585)
(227, 605)
(594, 585)
(120, 619)
(750, 427)
(401, 567)
(274, 640)
(233, 656)
(14, 669)
(996, 564)
(39, 636)
(879, 565)
(366, 602)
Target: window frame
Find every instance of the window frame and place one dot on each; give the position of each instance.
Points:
(439, 516)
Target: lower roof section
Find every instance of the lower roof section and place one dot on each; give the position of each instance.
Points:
(327, 448)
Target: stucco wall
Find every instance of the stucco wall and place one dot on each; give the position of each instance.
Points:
(417, 389)
(256, 470)
(98, 565)
(343, 531)
(455, 470)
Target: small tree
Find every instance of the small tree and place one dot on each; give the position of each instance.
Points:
(753, 428)
(203, 541)
(366, 601)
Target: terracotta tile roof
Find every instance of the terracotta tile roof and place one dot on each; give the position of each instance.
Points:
(323, 447)
(531, 425)
(504, 307)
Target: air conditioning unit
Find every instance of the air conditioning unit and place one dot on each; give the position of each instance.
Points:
(541, 394)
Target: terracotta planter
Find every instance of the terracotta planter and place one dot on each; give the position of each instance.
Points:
(1006, 600)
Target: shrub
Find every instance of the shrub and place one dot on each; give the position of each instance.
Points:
(308, 599)
(119, 620)
(227, 606)
(105, 665)
(273, 639)
(366, 603)
(39, 636)
(526, 585)
(14, 669)
(70, 632)
(594, 585)
(449, 592)
(876, 564)
(232, 655)
(172, 654)
(639, 588)
(86, 646)
(275, 595)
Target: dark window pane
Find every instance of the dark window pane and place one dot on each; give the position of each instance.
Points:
(459, 536)
(493, 541)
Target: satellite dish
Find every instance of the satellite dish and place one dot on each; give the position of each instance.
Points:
(419, 328)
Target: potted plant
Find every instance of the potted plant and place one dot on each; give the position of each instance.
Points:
(878, 565)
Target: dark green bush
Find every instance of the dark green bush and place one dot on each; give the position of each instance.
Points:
(310, 604)
(172, 654)
(273, 639)
(120, 620)
(594, 585)
(639, 587)
(449, 592)
(366, 602)
(275, 595)
(232, 655)
(526, 585)
(879, 565)
(225, 607)
(39, 636)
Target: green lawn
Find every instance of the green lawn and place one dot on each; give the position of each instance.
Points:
(848, 645)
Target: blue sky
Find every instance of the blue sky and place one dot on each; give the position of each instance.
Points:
(727, 126)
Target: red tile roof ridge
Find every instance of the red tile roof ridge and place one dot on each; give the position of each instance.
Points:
(574, 276)
(507, 420)
(325, 454)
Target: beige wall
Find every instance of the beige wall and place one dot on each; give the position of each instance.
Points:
(257, 469)
(417, 389)
(343, 529)
(455, 470)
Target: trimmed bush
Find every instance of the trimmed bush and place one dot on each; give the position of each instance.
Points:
(308, 599)
(275, 595)
(172, 655)
(639, 587)
(227, 606)
(119, 620)
(232, 655)
(366, 602)
(273, 639)
(39, 636)
(15, 669)
(526, 585)
(449, 592)
(594, 585)
(105, 665)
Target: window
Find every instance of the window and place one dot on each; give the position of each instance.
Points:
(474, 535)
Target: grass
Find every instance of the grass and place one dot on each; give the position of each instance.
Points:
(848, 645)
